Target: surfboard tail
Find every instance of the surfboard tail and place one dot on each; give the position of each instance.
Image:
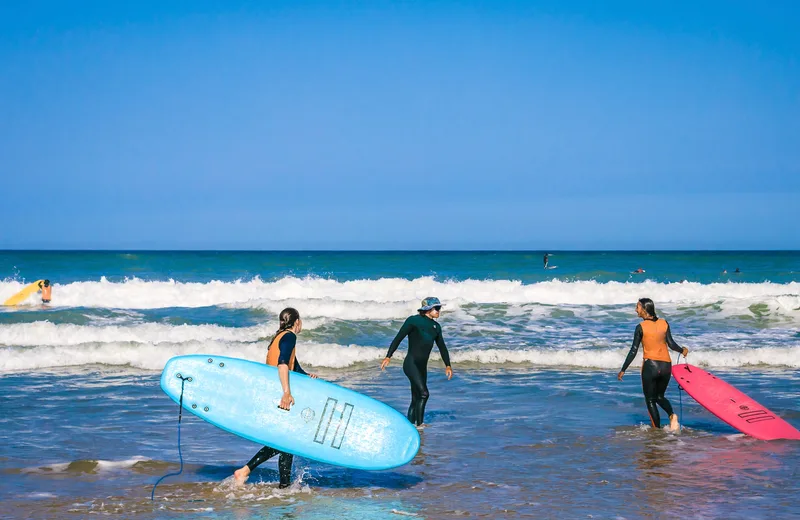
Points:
(732, 406)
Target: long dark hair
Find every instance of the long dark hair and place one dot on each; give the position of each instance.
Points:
(649, 307)
(288, 318)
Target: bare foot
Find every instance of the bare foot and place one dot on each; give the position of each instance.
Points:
(241, 474)
(673, 423)
(421, 427)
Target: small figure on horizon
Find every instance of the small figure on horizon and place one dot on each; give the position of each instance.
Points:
(639, 271)
(736, 271)
(546, 259)
(46, 290)
(724, 271)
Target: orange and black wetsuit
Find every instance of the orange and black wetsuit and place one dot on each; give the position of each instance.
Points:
(655, 337)
(281, 352)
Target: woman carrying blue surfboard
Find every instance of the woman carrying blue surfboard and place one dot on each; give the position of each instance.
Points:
(422, 331)
(281, 354)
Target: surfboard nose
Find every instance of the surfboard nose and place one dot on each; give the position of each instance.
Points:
(172, 375)
(168, 370)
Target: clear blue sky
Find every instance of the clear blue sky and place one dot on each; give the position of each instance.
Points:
(389, 125)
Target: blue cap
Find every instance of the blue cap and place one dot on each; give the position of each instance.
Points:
(429, 303)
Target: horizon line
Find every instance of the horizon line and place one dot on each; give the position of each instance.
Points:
(70, 250)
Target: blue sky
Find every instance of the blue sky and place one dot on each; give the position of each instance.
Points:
(402, 125)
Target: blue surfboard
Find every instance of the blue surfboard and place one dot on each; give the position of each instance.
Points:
(327, 422)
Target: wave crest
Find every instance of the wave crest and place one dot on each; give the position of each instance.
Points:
(395, 297)
(154, 357)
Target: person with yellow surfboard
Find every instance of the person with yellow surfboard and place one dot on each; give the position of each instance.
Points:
(47, 291)
(39, 285)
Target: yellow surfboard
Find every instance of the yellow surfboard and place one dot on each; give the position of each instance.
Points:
(24, 293)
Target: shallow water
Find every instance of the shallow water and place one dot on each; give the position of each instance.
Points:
(539, 443)
(534, 424)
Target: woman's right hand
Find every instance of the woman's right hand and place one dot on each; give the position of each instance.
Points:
(385, 363)
(286, 401)
(685, 351)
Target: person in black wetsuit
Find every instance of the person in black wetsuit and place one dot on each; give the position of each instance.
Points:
(655, 337)
(546, 259)
(422, 331)
(281, 353)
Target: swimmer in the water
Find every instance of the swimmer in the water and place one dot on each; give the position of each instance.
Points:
(422, 331)
(655, 336)
(47, 291)
(639, 271)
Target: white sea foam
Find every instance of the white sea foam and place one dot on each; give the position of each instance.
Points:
(44, 333)
(498, 317)
(108, 465)
(612, 359)
(88, 465)
(325, 297)
(153, 357)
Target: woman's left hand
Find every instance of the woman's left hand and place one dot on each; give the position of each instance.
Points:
(448, 372)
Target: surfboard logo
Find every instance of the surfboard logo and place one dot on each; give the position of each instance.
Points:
(307, 414)
(326, 421)
(756, 416)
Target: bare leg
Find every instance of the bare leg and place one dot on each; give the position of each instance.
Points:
(263, 455)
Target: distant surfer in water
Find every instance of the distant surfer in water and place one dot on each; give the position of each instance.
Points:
(655, 336)
(422, 331)
(639, 271)
(546, 260)
(47, 291)
(281, 354)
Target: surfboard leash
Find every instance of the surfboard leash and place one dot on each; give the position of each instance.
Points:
(180, 455)
(680, 393)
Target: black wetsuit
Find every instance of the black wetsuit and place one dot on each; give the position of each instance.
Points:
(422, 332)
(655, 376)
(286, 345)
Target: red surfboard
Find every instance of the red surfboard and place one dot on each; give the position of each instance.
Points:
(732, 406)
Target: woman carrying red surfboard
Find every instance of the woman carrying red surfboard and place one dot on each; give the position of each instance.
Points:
(655, 337)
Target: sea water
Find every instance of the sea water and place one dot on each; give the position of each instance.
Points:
(534, 423)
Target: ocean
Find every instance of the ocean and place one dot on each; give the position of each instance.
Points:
(534, 424)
